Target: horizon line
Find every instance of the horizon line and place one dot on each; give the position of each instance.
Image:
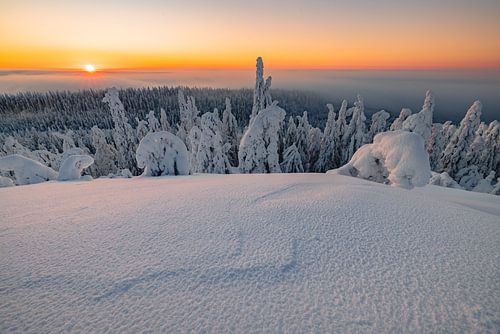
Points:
(300, 68)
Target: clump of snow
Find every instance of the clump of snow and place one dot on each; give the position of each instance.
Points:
(162, 153)
(444, 180)
(72, 167)
(27, 171)
(6, 182)
(398, 158)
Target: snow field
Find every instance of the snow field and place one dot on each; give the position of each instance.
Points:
(247, 253)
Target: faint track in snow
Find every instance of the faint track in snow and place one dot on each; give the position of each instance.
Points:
(274, 193)
(263, 274)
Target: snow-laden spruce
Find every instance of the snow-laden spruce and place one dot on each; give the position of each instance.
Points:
(162, 153)
(327, 153)
(421, 122)
(454, 157)
(123, 133)
(397, 158)
(379, 124)
(211, 153)
(188, 114)
(258, 152)
(72, 167)
(398, 122)
(292, 163)
(261, 94)
(26, 171)
(354, 136)
(230, 133)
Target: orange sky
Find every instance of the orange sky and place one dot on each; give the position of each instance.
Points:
(130, 34)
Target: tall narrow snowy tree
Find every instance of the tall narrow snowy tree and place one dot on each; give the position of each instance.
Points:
(153, 123)
(454, 155)
(123, 134)
(292, 162)
(435, 145)
(105, 154)
(314, 139)
(355, 135)
(211, 154)
(258, 152)
(302, 141)
(164, 123)
(230, 133)
(421, 122)
(261, 94)
(327, 155)
(379, 124)
(188, 116)
(291, 133)
(489, 155)
(398, 122)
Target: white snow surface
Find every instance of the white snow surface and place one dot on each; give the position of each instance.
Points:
(247, 253)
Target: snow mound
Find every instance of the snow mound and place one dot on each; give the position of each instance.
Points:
(27, 171)
(398, 158)
(72, 167)
(162, 153)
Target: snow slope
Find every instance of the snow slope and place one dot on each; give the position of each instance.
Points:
(247, 253)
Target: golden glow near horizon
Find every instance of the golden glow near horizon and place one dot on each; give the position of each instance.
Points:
(90, 68)
(153, 34)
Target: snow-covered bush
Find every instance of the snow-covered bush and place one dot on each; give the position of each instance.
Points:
(258, 152)
(485, 185)
(162, 153)
(72, 167)
(398, 158)
(26, 171)
(6, 182)
(443, 180)
(469, 177)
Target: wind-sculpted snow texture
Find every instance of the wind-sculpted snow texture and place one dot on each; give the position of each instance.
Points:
(299, 253)
(398, 158)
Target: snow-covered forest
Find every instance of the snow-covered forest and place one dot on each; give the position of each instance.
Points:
(229, 131)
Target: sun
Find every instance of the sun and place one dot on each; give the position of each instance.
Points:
(90, 68)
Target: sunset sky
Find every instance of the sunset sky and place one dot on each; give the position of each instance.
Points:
(154, 34)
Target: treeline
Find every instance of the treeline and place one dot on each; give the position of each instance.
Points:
(62, 111)
(227, 131)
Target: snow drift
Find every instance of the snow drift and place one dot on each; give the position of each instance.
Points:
(398, 158)
(26, 171)
(162, 153)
